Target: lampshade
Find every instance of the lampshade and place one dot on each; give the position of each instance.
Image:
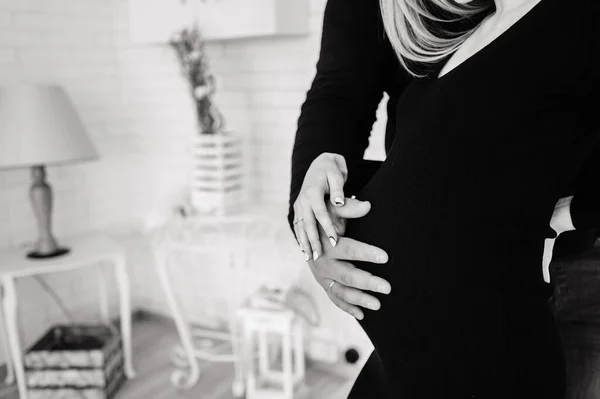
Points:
(40, 126)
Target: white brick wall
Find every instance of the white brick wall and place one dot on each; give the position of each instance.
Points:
(136, 107)
(75, 44)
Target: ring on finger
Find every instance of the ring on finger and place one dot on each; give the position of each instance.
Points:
(301, 235)
(300, 219)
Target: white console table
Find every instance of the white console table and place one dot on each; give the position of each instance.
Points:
(227, 236)
(89, 250)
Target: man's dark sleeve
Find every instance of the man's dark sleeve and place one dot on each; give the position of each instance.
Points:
(585, 206)
(355, 62)
(584, 209)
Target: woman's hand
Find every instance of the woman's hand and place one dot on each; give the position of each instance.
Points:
(326, 176)
(334, 266)
(560, 222)
(343, 282)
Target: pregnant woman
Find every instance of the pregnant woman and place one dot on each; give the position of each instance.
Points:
(493, 113)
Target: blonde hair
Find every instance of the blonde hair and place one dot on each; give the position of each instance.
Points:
(415, 27)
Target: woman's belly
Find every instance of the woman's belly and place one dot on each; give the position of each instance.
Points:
(466, 277)
(443, 225)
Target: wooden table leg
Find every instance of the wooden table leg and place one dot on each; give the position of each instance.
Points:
(286, 363)
(181, 380)
(103, 293)
(125, 306)
(10, 312)
(10, 372)
(237, 385)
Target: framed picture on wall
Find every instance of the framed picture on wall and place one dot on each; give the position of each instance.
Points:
(155, 21)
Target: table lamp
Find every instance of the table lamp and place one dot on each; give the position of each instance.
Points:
(39, 126)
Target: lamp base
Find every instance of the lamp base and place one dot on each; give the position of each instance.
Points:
(40, 194)
(53, 254)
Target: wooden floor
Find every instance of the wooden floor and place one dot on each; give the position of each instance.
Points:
(154, 337)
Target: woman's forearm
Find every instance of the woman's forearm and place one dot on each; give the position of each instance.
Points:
(355, 63)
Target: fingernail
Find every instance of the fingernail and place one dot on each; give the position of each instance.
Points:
(332, 241)
(373, 305)
(353, 197)
(306, 255)
(384, 289)
(315, 255)
(359, 316)
(339, 201)
(379, 257)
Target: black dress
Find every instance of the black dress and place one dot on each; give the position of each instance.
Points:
(476, 162)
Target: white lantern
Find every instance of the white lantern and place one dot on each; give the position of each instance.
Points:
(266, 379)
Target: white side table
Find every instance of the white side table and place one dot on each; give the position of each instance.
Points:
(93, 249)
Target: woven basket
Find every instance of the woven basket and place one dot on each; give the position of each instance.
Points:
(75, 362)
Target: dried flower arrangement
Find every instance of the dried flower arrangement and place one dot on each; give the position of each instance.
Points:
(189, 46)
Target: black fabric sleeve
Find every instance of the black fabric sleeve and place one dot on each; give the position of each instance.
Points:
(355, 63)
(585, 205)
(576, 241)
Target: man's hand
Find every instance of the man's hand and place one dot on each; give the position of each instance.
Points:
(334, 264)
(547, 258)
(560, 222)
